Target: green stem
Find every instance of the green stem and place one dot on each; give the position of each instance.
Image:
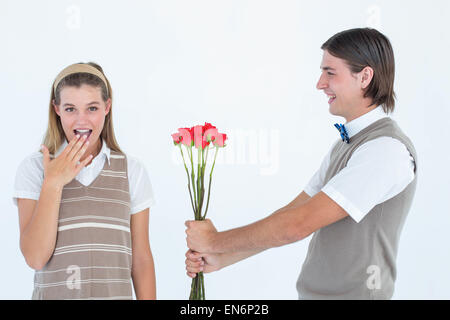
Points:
(199, 287)
(195, 288)
(210, 179)
(203, 287)
(206, 158)
(187, 173)
(193, 179)
(191, 295)
(203, 178)
(199, 190)
(202, 184)
(198, 283)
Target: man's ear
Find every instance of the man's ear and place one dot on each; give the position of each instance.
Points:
(366, 77)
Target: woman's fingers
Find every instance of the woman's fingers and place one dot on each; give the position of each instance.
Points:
(83, 163)
(70, 146)
(81, 152)
(76, 148)
(67, 165)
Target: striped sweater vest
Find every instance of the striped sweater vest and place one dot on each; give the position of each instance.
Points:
(92, 257)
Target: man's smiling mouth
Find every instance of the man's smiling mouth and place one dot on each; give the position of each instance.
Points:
(331, 97)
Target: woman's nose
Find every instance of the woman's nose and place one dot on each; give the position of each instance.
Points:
(83, 117)
(83, 114)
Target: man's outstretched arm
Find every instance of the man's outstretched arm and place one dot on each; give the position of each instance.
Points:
(201, 262)
(286, 225)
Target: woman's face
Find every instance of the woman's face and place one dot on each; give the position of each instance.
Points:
(83, 111)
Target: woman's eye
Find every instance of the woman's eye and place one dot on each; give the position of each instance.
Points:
(90, 109)
(331, 74)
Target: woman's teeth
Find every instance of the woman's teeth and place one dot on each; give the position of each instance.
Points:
(86, 132)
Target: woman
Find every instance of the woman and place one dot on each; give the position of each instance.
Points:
(83, 204)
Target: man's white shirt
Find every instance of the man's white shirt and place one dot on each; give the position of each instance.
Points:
(377, 171)
(30, 176)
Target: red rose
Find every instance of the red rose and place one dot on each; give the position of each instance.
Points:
(186, 136)
(220, 140)
(198, 136)
(177, 137)
(208, 126)
(210, 134)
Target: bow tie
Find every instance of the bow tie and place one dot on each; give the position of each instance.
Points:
(343, 132)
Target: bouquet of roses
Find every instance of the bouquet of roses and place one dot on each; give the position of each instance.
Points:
(202, 139)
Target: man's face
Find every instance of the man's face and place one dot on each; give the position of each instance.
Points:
(344, 89)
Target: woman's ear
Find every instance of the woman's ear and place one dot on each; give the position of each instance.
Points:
(108, 106)
(366, 77)
(56, 107)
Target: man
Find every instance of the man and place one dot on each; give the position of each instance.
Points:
(355, 204)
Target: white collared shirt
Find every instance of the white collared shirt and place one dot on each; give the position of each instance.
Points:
(385, 158)
(30, 176)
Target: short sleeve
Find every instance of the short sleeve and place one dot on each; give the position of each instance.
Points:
(141, 190)
(29, 178)
(317, 181)
(377, 171)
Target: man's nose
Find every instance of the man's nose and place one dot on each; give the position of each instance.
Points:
(322, 83)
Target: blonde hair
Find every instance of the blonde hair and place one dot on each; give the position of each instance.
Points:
(54, 136)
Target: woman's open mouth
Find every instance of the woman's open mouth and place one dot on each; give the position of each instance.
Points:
(83, 132)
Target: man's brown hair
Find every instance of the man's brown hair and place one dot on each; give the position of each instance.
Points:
(362, 47)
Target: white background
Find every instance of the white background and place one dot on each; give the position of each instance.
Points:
(250, 68)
